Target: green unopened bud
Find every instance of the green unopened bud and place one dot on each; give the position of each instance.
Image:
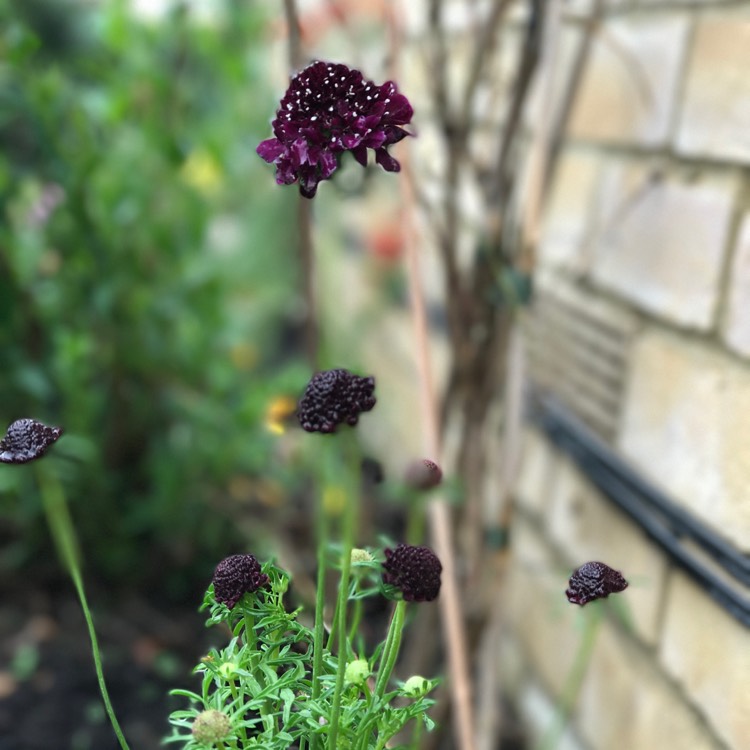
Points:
(211, 727)
(357, 672)
(416, 686)
(228, 669)
(360, 556)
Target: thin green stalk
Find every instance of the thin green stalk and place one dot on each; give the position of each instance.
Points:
(320, 603)
(249, 622)
(235, 699)
(351, 515)
(63, 533)
(392, 646)
(415, 520)
(387, 662)
(356, 619)
(592, 620)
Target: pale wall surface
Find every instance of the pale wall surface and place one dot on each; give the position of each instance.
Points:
(650, 213)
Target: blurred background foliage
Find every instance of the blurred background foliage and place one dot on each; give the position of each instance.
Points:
(147, 278)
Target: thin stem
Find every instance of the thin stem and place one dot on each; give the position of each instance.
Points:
(249, 621)
(63, 533)
(387, 662)
(356, 619)
(415, 520)
(305, 246)
(320, 603)
(392, 646)
(592, 620)
(351, 514)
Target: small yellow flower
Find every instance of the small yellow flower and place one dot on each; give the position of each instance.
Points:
(202, 172)
(279, 410)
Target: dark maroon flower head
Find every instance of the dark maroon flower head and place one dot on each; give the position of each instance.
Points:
(594, 580)
(328, 109)
(335, 397)
(27, 440)
(414, 570)
(423, 474)
(237, 575)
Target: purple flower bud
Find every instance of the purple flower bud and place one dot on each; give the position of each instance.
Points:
(237, 575)
(328, 109)
(335, 397)
(423, 474)
(27, 440)
(414, 570)
(594, 580)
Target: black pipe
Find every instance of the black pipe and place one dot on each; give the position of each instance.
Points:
(659, 516)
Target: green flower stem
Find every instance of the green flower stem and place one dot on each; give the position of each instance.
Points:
(593, 618)
(249, 622)
(63, 533)
(415, 521)
(391, 649)
(320, 603)
(350, 518)
(356, 619)
(387, 663)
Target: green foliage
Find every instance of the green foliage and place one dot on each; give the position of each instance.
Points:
(145, 271)
(262, 682)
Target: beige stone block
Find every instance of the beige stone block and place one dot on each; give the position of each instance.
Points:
(685, 426)
(715, 117)
(659, 241)
(536, 474)
(708, 651)
(586, 526)
(737, 320)
(626, 702)
(567, 213)
(629, 89)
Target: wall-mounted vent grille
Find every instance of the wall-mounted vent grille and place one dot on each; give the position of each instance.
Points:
(578, 348)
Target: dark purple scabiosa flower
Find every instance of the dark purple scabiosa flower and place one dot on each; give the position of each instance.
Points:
(328, 109)
(423, 474)
(594, 580)
(414, 570)
(335, 397)
(27, 440)
(237, 575)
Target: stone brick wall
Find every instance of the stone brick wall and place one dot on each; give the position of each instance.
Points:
(648, 219)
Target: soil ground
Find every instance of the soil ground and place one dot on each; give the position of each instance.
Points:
(49, 697)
